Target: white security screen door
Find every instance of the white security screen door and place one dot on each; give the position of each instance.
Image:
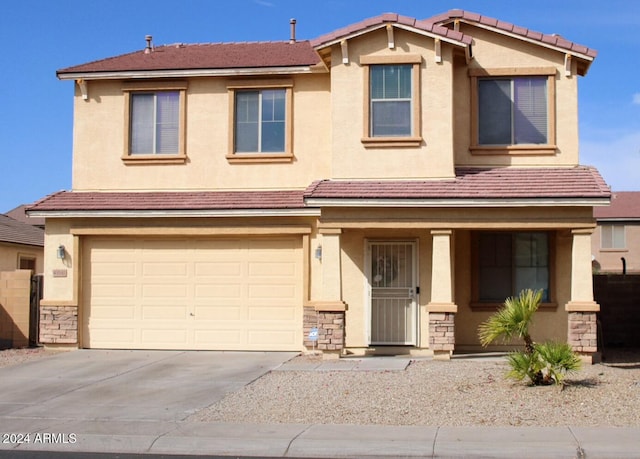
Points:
(392, 287)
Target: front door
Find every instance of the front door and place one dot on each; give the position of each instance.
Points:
(392, 292)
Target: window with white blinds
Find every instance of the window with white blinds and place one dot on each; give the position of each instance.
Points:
(155, 123)
(513, 111)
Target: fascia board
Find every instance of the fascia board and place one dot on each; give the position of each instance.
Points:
(175, 213)
(117, 75)
(533, 202)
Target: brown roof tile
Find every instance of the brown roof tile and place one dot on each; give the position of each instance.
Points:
(474, 183)
(15, 232)
(193, 200)
(551, 39)
(388, 18)
(206, 56)
(624, 205)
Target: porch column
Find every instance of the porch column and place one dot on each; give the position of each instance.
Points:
(582, 309)
(330, 310)
(442, 309)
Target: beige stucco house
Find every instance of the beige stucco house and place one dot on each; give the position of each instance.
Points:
(386, 185)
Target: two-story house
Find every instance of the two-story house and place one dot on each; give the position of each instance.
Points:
(382, 187)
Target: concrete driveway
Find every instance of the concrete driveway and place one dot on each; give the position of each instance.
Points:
(106, 385)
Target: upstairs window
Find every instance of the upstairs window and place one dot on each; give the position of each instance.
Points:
(514, 111)
(261, 127)
(155, 122)
(392, 101)
(260, 121)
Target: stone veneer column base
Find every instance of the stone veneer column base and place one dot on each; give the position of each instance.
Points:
(58, 324)
(330, 325)
(442, 334)
(583, 332)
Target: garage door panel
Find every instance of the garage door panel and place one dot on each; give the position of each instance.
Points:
(282, 291)
(157, 269)
(227, 294)
(272, 269)
(218, 312)
(218, 269)
(170, 311)
(165, 290)
(269, 312)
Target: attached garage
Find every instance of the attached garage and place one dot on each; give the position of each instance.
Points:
(192, 293)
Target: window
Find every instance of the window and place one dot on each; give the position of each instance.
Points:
(260, 121)
(513, 113)
(155, 122)
(392, 102)
(612, 237)
(510, 262)
(27, 262)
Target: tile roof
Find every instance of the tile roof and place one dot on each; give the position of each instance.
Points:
(206, 56)
(474, 183)
(624, 205)
(549, 39)
(20, 214)
(469, 183)
(388, 18)
(167, 200)
(15, 232)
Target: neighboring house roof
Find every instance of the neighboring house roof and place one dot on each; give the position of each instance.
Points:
(575, 185)
(20, 214)
(553, 40)
(203, 56)
(625, 205)
(15, 232)
(381, 21)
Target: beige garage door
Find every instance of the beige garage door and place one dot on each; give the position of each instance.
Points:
(218, 294)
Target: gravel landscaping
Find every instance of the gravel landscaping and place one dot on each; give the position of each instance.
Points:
(460, 392)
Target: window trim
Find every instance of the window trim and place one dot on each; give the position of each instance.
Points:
(155, 87)
(476, 304)
(550, 148)
(239, 85)
(415, 139)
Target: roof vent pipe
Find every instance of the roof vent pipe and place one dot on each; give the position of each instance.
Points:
(149, 47)
(293, 31)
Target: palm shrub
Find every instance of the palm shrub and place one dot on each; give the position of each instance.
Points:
(546, 363)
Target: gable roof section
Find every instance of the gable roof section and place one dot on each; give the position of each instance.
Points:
(15, 232)
(168, 202)
(553, 41)
(581, 185)
(426, 27)
(625, 205)
(199, 58)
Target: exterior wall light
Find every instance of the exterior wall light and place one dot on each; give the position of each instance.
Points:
(319, 253)
(61, 252)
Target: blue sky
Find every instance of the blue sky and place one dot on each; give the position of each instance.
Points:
(40, 36)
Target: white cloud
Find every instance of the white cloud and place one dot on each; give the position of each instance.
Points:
(618, 160)
(636, 98)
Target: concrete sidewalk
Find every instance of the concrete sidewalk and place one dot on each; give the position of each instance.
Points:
(325, 441)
